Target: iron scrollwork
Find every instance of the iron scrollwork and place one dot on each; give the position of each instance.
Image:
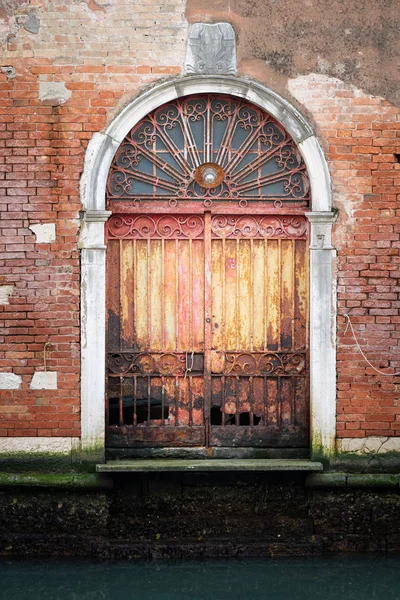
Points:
(143, 363)
(159, 157)
(267, 363)
(259, 226)
(164, 226)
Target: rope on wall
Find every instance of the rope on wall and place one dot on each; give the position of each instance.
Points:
(350, 324)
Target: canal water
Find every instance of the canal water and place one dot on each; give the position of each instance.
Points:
(344, 578)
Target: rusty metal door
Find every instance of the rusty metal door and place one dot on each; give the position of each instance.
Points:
(156, 330)
(259, 336)
(207, 281)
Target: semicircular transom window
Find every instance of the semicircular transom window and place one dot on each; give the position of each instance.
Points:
(209, 147)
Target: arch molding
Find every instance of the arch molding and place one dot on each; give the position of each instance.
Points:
(99, 155)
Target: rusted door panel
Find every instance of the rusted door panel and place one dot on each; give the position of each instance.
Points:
(208, 330)
(265, 438)
(155, 292)
(259, 332)
(129, 437)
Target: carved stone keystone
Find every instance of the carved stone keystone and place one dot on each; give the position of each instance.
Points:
(211, 49)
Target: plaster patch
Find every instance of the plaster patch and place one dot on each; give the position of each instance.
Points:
(10, 381)
(53, 93)
(45, 232)
(5, 293)
(10, 72)
(44, 380)
(97, 4)
(32, 23)
(392, 444)
(303, 87)
(369, 445)
(36, 445)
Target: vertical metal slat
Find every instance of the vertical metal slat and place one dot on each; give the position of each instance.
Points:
(223, 399)
(134, 400)
(162, 401)
(176, 401)
(190, 401)
(251, 384)
(148, 399)
(237, 416)
(121, 400)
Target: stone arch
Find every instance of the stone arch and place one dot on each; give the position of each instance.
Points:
(102, 147)
(99, 155)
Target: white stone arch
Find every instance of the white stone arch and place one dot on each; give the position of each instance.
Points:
(99, 155)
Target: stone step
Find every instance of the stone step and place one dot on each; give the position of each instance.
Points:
(160, 465)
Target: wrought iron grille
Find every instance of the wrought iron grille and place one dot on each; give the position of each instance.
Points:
(164, 155)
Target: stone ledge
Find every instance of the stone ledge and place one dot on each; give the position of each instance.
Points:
(202, 452)
(369, 480)
(149, 466)
(58, 480)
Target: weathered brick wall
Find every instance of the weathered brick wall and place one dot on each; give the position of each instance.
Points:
(77, 63)
(361, 134)
(100, 55)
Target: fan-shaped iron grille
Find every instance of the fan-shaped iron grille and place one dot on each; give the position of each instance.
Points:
(159, 157)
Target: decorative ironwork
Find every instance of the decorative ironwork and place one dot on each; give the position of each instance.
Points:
(259, 226)
(145, 363)
(159, 157)
(209, 175)
(160, 226)
(268, 363)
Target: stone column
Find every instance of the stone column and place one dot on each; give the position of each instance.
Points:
(322, 335)
(93, 278)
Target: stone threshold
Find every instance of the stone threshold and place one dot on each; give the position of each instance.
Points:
(174, 465)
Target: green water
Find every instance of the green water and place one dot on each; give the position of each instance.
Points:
(344, 578)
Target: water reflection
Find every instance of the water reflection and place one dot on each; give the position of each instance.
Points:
(344, 578)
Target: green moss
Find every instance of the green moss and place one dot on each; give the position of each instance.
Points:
(326, 480)
(372, 480)
(45, 462)
(320, 453)
(46, 480)
(387, 462)
(16, 462)
(352, 480)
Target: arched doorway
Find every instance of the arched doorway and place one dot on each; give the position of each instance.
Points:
(207, 280)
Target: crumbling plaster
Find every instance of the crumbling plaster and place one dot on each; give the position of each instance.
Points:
(15, 15)
(355, 41)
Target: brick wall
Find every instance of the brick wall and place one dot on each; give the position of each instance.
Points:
(102, 54)
(361, 134)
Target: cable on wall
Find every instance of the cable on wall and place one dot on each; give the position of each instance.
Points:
(350, 324)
